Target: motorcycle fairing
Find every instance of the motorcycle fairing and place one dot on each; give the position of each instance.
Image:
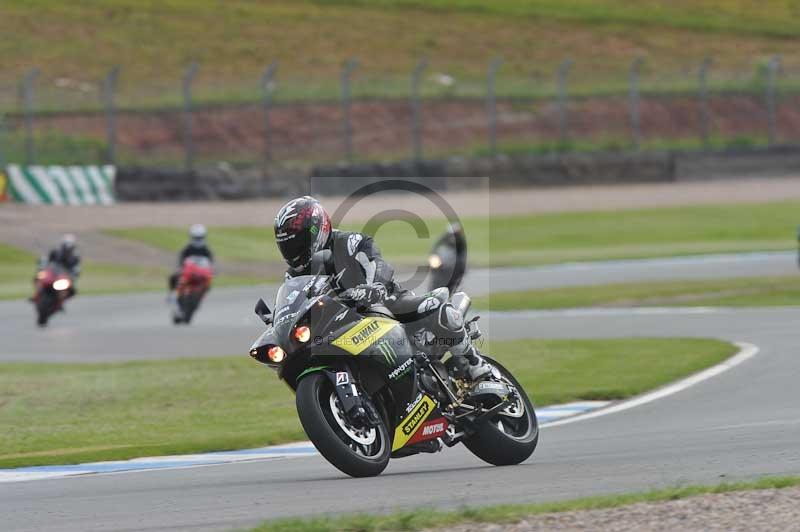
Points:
(410, 429)
(364, 335)
(340, 336)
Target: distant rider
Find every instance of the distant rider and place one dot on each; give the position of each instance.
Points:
(303, 227)
(196, 247)
(66, 257)
(448, 259)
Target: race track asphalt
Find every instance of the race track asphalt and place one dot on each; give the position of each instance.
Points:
(108, 328)
(740, 424)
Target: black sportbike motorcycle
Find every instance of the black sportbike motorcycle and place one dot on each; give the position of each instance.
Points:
(366, 393)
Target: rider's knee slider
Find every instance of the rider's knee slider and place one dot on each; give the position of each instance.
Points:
(450, 318)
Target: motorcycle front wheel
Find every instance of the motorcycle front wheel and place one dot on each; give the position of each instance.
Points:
(44, 309)
(355, 451)
(511, 436)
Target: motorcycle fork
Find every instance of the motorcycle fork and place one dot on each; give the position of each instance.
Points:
(358, 409)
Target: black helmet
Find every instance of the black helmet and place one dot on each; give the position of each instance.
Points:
(302, 227)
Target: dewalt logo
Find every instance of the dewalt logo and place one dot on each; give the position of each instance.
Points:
(365, 333)
(417, 416)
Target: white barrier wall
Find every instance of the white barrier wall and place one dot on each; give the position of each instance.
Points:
(61, 185)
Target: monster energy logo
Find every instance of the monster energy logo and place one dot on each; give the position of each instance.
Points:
(314, 230)
(388, 353)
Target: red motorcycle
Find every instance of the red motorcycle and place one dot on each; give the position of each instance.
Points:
(193, 283)
(52, 287)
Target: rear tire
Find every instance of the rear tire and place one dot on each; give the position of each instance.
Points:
(493, 445)
(315, 411)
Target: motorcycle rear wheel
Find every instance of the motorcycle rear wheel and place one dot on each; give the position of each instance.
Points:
(501, 443)
(343, 446)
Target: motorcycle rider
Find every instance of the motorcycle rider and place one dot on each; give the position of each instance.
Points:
(66, 257)
(448, 259)
(196, 247)
(303, 227)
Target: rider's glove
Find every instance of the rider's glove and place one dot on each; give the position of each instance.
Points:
(365, 295)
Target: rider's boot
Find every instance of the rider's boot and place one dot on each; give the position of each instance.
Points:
(463, 334)
(478, 368)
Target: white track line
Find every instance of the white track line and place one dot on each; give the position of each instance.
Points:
(746, 352)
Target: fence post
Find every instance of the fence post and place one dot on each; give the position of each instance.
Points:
(347, 128)
(491, 104)
(26, 101)
(563, 117)
(416, 110)
(634, 74)
(109, 92)
(705, 106)
(773, 67)
(267, 86)
(188, 142)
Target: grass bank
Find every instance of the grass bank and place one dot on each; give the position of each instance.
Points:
(71, 413)
(311, 39)
(506, 514)
(745, 292)
(545, 238)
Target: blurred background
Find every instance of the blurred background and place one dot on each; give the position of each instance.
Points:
(274, 86)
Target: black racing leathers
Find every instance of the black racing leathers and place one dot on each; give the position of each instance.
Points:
(355, 260)
(194, 251)
(70, 261)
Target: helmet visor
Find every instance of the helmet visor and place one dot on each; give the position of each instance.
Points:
(296, 249)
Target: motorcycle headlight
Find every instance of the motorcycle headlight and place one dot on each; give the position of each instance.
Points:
(61, 284)
(302, 334)
(276, 354)
(435, 261)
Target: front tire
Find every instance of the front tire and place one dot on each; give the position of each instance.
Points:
(499, 442)
(43, 309)
(356, 453)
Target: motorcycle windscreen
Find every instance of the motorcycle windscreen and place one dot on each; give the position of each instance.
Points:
(291, 299)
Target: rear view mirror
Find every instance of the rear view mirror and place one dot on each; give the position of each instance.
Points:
(263, 312)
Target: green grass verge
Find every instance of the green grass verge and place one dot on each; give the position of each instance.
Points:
(531, 36)
(744, 292)
(546, 238)
(17, 268)
(71, 413)
(704, 15)
(510, 513)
